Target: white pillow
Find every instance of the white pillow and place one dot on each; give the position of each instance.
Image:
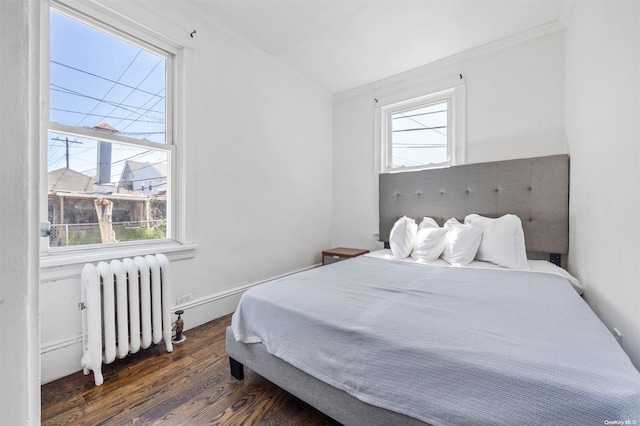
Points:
(403, 237)
(462, 242)
(452, 222)
(428, 222)
(430, 243)
(502, 240)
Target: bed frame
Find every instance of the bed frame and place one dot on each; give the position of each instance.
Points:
(535, 189)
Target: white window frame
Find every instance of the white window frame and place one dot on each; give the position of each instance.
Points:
(115, 23)
(456, 123)
(390, 101)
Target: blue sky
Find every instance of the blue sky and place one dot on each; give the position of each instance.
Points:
(100, 78)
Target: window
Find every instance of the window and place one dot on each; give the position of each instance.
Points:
(418, 136)
(109, 138)
(423, 132)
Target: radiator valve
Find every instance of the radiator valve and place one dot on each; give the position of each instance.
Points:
(178, 326)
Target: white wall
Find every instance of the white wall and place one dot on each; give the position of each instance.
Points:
(258, 165)
(19, 332)
(603, 111)
(515, 109)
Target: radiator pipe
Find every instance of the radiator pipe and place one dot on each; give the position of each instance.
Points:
(178, 326)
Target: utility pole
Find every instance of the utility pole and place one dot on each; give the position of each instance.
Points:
(66, 142)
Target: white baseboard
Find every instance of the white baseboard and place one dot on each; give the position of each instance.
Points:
(61, 361)
(205, 309)
(60, 358)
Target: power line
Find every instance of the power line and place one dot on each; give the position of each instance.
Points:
(146, 166)
(132, 91)
(112, 86)
(418, 129)
(55, 151)
(127, 126)
(417, 115)
(119, 105)
(125, 107)
(144, 179)
(410, 117)
(100, 77)
(66, 142)
(55, 164)
(124, 159)
(105, 116)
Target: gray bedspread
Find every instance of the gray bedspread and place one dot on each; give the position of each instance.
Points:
(449, 346)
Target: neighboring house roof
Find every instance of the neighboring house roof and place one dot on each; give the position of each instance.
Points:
(132, 168)
(162, 168)
(69, 180)
(105, 128)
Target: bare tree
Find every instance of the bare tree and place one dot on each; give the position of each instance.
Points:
(104, 209)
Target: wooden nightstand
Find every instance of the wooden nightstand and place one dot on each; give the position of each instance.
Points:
(340, 253)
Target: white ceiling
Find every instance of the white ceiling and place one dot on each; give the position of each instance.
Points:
(345, 44)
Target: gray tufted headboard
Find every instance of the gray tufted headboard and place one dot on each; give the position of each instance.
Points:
(534, 189)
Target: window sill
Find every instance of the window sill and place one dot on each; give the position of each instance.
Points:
(416, 168)
(54, 265)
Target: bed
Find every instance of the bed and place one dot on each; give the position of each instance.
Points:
(376, 340)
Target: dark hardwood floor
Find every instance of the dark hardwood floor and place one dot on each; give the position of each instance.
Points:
(190, 385)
